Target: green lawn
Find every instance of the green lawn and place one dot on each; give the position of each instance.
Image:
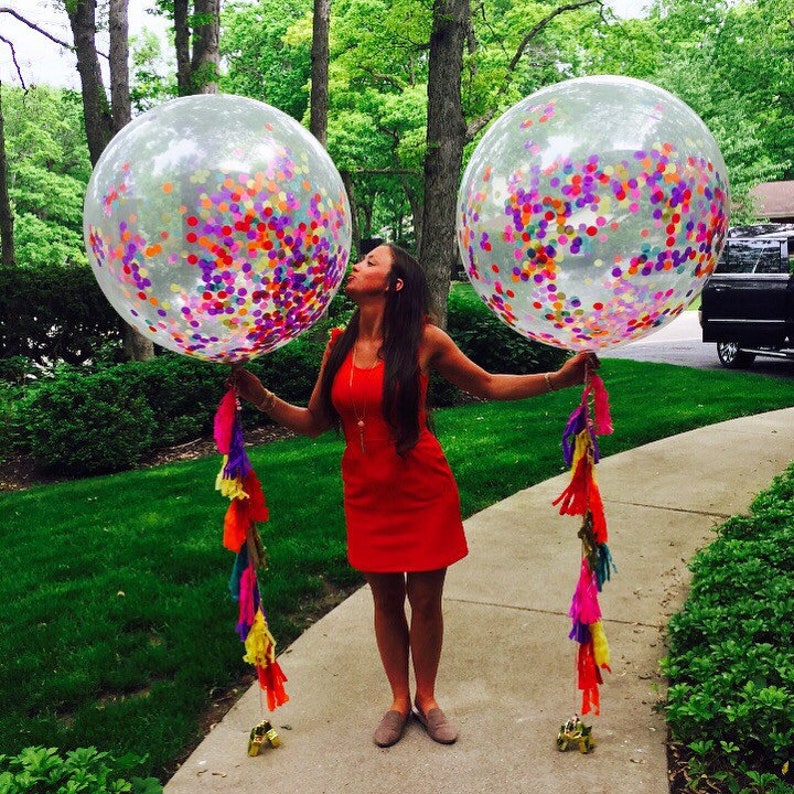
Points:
(119, 627)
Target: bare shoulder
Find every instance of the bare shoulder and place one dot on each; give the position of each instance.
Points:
(434, 342)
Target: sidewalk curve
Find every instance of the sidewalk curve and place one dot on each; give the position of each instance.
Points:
(507, 674)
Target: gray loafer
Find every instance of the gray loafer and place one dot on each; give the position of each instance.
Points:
(438, 727)
(390, 729)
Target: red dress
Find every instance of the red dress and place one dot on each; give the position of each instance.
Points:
(402, 511)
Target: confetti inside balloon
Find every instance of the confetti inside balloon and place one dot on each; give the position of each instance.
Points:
(217, 226)
(592, 212)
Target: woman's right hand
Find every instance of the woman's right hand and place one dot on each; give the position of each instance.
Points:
(246, 385)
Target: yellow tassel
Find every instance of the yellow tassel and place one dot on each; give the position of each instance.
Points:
(600, 645)
(582, 447)
(233, 489)
(260, 647)
(219, 478)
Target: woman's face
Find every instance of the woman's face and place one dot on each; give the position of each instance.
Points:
(370, 276)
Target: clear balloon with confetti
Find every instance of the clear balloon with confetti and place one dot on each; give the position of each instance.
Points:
(218, 226)
(592, 212)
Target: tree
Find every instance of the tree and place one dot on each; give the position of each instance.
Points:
(45, 142)
(104, 119)
(197, 44)
(7, 257)
(446, 132)
(318, 122)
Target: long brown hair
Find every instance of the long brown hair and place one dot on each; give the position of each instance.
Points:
(404, 317)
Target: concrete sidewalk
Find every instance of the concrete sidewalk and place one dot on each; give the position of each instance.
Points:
(507, 675)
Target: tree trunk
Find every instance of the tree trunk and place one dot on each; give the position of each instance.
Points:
(446, 131)
(137, 347)
(351, 197)
(197, 71)
(205, 63)
(318, 121)
(119, 63)
(98, 118)
(182, 48)
(6, 215)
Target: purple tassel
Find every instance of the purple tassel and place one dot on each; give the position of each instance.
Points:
(238, 464)
(580, 633)
(577, 422)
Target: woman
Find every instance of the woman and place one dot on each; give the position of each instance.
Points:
(402, 508)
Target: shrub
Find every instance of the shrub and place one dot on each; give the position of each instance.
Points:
(53, 313)
(484, 338)
(106, 421)
(86, 424)
(730, 663)
(41, 770)
(182, 394)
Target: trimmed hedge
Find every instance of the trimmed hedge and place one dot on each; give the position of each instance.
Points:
(57, 313)
(86, 422)
(731, 662)
(81, 424)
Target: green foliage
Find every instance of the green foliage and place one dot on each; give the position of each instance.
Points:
(41, 770)
(48, 172)
(39, 244)
(491, 343)
(181, 393)
(153, 75)
(53, 313)
(730, 662)
(262, 62)
(85, 424)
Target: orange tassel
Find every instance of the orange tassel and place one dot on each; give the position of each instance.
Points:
(235, 524)
(575, 497)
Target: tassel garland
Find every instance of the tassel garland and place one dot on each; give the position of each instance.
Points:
(582, 498)
(239, 483)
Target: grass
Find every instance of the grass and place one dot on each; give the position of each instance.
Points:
(119, 629)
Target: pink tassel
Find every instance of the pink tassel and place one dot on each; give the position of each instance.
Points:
(224, 422)
(602, 418)
(248, 596)
(584, 604)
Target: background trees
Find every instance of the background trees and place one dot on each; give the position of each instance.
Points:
(411, 87)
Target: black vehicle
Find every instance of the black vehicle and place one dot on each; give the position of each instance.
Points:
(747, 305)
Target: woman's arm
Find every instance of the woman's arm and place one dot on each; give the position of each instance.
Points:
(309, 421)
(443, 355)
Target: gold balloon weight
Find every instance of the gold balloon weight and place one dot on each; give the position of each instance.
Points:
(264, 733)
(575, 734)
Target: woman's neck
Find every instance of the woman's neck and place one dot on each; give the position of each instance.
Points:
(370, 323)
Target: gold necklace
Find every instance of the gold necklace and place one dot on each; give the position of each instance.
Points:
(359, 417)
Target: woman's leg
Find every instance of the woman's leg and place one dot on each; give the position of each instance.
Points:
(391, 634)
(426, 633)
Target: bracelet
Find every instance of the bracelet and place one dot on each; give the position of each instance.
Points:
(547, 378)
(266, 403)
